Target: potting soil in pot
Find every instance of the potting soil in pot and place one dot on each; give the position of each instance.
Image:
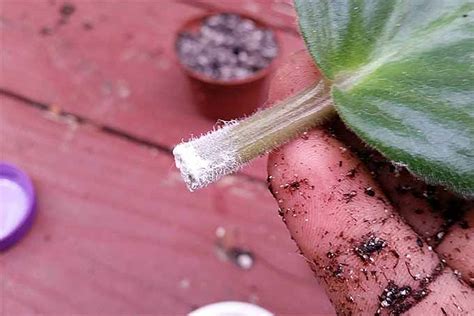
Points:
(227, 47)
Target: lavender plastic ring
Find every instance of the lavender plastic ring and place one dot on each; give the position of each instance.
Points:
(17, 204)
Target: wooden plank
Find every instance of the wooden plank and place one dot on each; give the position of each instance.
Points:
(117, 232)
(112, 62)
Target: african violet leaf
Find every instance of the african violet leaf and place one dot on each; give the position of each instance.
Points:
(403, 79)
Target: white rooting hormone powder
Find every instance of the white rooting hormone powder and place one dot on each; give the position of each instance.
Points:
(200, 164)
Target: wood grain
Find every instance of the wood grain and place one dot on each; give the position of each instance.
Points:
(112, 62)
(117, 232)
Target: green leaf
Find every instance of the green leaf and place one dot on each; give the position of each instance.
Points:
(403, 79)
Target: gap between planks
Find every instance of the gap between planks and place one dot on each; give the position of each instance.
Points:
(81, 120)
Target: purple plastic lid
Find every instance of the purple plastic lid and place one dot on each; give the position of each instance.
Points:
(17, 204)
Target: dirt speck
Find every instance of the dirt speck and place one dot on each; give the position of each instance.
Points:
(347, 197)
(351, 173)
(338, 271)
(330, 254)
(369, 246)
(45, 31)
(419, 242)
(349, 299)
(67, 9)
(87, 26)
(369, 191)
(439, 236)
(393, 297)
(295, 185)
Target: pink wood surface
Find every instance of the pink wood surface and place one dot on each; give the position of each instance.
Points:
(122, 72)
(117, 232)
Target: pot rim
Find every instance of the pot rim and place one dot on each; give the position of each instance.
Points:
(199, 76)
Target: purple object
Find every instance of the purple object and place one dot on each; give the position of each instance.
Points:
(17, 204)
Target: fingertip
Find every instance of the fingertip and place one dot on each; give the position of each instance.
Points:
(458, 249)
(353, 239)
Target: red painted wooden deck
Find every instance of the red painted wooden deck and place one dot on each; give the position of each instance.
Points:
(90, 107)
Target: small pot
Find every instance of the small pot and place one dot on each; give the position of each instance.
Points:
(227, 99)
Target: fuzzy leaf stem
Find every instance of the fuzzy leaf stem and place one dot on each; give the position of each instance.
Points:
(204, 160)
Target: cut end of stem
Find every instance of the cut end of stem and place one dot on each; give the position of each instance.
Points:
(206, 159)
(194, 169)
